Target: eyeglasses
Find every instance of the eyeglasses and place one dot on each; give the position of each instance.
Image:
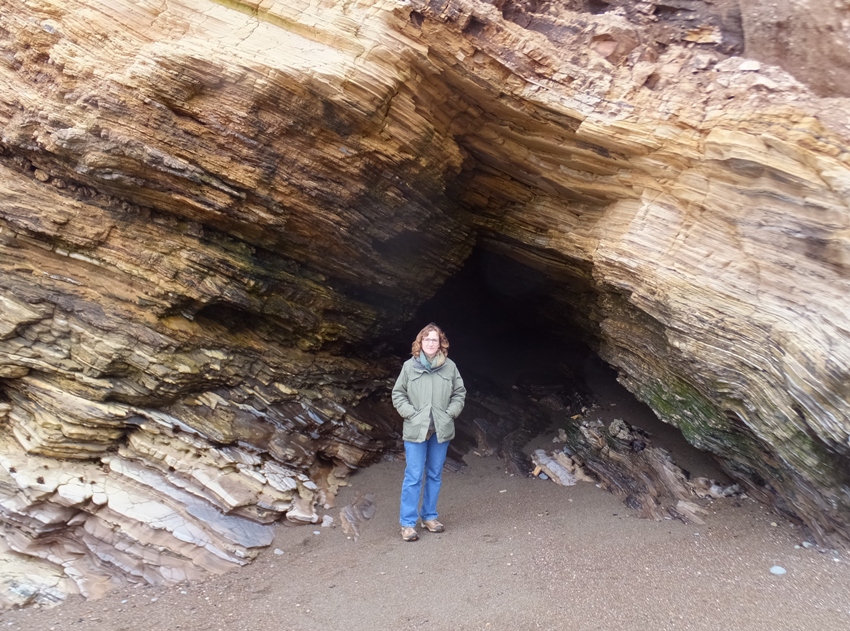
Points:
(430, 340)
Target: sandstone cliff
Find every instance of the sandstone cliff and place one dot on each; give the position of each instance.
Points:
(211, 211)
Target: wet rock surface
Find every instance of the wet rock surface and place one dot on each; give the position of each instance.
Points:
(217, 217)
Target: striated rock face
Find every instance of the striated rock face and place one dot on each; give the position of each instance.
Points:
(215, 213)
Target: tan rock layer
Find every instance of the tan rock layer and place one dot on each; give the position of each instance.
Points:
(204, 206)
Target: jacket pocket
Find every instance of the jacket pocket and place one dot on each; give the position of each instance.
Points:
(416, 426)
(444, 424)
(419, 416)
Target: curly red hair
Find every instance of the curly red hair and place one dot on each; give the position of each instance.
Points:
(444, 341)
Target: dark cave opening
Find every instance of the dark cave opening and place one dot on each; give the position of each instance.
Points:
(490, 313)
(493, 312)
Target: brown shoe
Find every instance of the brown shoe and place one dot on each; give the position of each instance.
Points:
(409, 534)
(433, 525)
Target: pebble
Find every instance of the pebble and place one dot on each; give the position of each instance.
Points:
(278, 551)
(327, 520)
(543, 476)
(778, 570)
(808, 544)
(317, 532)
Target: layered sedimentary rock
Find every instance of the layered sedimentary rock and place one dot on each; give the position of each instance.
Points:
(213, 212)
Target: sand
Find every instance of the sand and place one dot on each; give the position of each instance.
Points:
(518, 553)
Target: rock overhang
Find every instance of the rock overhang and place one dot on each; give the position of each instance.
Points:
(207, 217)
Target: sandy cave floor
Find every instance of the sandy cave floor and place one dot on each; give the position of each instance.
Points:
(517, 554)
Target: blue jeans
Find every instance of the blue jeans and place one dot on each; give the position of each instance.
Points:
(423, 460)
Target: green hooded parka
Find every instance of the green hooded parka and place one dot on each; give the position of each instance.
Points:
(421, 393)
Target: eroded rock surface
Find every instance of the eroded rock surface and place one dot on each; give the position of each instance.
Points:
(213, 212)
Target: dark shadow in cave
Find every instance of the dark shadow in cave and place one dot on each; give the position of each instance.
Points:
(491, 313)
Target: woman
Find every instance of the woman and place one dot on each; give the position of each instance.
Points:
(429, 395)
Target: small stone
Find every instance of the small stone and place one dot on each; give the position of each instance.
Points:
(278, 551)
(543, 476)
(124, 602)
(317, 532)
(503, 491)
(154, 599)
(796, 547)
(808, 545)
(766, 83)
(327, 521)
(778, 570)
(751, 65)
(774, 524)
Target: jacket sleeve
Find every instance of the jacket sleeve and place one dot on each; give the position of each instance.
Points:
(458, 395)
(401, 401)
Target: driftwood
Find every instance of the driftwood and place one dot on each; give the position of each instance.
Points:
(706, 487)
(559, 467)
(556, 471)
(502, 425)
(626, 463)
(688, 512)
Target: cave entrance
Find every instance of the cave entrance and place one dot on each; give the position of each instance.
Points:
(511, 351)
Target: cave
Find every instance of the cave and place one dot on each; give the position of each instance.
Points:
(219, 235)
(497, 313)
(493, 307)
